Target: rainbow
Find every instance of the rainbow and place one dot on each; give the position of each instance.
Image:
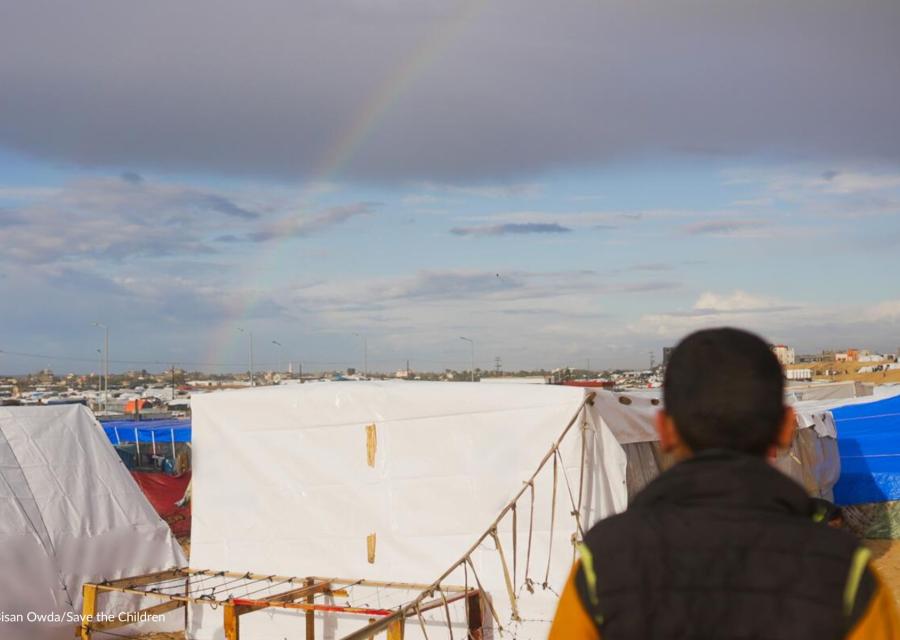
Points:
(338, 155)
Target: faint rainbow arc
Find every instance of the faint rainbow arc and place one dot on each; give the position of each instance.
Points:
(341, 152)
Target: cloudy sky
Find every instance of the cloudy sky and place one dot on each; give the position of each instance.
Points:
(561, 182)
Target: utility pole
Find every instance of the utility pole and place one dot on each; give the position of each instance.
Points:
(173, 382)
(99, 373)
(250, 338)
(105, 364)
(278, 344)
(472, 344)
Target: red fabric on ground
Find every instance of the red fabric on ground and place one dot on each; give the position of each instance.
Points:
(163, 491)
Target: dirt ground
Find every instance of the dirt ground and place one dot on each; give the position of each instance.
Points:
(849, 371)
(886, 558)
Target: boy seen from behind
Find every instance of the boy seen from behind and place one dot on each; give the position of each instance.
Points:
(723, 545)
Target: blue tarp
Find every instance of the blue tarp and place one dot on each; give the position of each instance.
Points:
(160, 431)
(869, 446)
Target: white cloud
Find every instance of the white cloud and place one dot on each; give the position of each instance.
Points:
(710, 302)
(887, 311)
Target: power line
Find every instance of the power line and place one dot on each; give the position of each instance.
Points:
(167, 363)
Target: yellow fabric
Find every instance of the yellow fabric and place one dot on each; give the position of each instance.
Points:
(881, 620)
(571, 621)
(587, 562)
(857, 567)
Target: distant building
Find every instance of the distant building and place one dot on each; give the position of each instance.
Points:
(850, 355)
(784, 353)
(805, 358)
(667, 353)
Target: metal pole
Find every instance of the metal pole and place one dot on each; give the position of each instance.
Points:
(250, 341)
(281, 353)
(105, 363)
(106, 373)
(472, 343)
(99, 376)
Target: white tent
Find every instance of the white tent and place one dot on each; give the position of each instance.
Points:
(69, 513)
(812, 459)
(296, 480)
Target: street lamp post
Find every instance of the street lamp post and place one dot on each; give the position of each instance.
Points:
(99, 374)
(472, 344)
(250, 341)
(281, 346)
(105, 363)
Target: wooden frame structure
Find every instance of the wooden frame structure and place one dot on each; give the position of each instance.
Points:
(238, 594)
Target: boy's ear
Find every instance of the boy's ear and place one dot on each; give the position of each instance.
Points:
(786, 429)
(669, 439)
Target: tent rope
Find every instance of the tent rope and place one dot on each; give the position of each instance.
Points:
(552, 515)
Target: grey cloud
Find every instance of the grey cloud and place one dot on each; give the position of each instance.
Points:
(500, 89)
(114, 219)
(217, 203)
(301, 226)
(648, 287)
(511, 229)
(651, 266)
(129, 216)
(701, 312)
(721, 227)
(131, 177)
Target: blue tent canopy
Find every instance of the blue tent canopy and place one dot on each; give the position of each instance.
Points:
(869, 446)
(150, 431)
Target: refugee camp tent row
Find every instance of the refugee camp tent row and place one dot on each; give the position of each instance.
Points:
(69, 513)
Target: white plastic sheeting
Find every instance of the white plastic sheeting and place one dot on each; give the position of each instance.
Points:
(282, 484)
(69, 513)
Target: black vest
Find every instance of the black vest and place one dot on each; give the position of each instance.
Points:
(722, 546)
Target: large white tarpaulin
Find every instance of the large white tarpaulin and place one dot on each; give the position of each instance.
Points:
(295, 480)
(69, 513)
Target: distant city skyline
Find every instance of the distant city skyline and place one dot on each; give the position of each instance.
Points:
(557, 183)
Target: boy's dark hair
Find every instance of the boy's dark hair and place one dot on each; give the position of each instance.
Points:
(724, 389)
